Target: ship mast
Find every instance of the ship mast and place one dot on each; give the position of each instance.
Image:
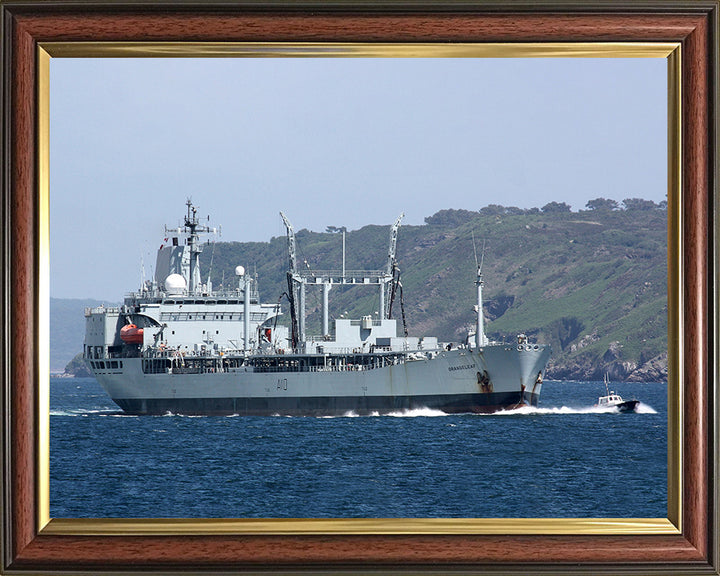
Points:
(480, 338)
(193, 227)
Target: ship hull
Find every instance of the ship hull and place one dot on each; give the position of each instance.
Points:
(324, 406)
(452, 382)
(628, 406)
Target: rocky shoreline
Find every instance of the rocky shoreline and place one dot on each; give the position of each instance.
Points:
(586, 369)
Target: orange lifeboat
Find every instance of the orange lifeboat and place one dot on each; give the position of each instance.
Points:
(131, 334)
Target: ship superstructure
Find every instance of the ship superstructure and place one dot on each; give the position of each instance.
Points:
(179, 346)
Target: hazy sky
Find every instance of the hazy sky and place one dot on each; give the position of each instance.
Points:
(329, 141)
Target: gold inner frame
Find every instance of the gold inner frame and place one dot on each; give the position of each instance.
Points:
(585, 526)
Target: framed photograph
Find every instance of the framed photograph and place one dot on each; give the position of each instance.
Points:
(682, 34)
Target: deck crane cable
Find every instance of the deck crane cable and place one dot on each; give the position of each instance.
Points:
(472, 232)
(294, 339)
(277, 308)
(402, 308)
(293, 249)
(212, 257)
(393, 287)
(482, 254)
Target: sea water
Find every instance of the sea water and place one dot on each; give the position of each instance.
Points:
(564, 458)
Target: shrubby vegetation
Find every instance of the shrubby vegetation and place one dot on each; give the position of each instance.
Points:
(77, 367)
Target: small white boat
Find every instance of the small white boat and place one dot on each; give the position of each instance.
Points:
(613, 400)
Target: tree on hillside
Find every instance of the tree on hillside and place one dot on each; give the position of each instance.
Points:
(602, 204)
(450, 217)
(638, 204)
(492, 210)
(499, 210)
(335, 229)
(556, 207)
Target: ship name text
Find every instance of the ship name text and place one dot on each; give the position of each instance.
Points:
(463, 367)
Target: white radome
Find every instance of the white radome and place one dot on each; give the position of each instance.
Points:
(239, 271)
(175, 284)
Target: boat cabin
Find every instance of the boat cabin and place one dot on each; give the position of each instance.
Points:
(612, 399)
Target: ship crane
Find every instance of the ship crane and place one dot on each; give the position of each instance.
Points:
(297, 327)
(391, 269)
(393, 245)
(298, 280)
(291, 243)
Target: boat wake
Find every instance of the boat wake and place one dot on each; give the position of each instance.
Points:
(533, 410)
(645, 409)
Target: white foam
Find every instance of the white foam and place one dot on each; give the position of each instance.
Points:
(83, 412)
(645, 409)
(418, 412)
(349, 414)
(414, 413)
(533, 410)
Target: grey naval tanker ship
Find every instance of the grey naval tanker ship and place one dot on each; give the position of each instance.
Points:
(178, 346)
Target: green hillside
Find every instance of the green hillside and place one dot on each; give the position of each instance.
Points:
(591, 283)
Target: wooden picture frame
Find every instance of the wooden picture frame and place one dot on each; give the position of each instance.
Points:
(687, 542)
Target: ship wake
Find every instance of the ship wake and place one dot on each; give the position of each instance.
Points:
(87, 412)
(410, 413)
(418, 412)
